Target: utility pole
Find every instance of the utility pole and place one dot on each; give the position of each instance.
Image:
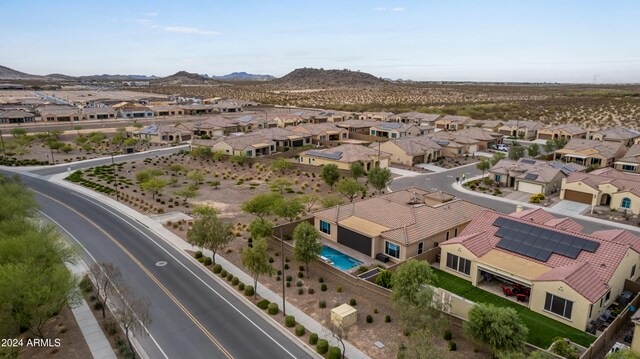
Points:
(282, 276)
(4, 154)
(115, 177)
(53, 160)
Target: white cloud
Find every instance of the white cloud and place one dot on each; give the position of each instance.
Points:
(380, 8)
(189, 30)
(397, 9)
(151, 14)
(392, 9)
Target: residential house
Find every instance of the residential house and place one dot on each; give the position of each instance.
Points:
(195, 109)
(376, 116)
(486, 139)
(170, 110)
(286, 119)
(489, 125)
(630, 162)
(99, 113)
(16, 116)
(132, 111)
(545, 263)
(162, 134)
(604, 187)
(323, 133)
(566, 131)
(249, 145)
(362, 127)
(454, 145)
(60, 114)
(247, 123)
(330, 116)
(416, 118)
(531, 176)
(211, 126)
(527, 130)
(623, 135)
(590, 152)
(453, 123)
(393, 130)
(398, 225)
(344, 156)
(228, 106)
(410, 151)
(284, 138)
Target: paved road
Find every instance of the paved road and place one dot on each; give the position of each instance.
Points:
(442, 181)
(190, 310)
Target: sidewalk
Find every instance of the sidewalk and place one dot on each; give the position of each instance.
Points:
(93, 334)
(559, 211)
(310, 324)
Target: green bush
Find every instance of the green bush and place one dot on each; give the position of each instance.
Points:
(313, 338)
(235, 281)
(322, 303)
(263, 304)
(300, 291)
(207, 261)
(85, 285)
(300, 330)
(323, 287)
(334, 353)
(229, 277)
(248, 290)
(339, 289)
(198, 254)
(289, 278)
(299, 283)
(322, 347)
(290, 321)
(453, 346)
(273, 309)
(384, 279)
(369, 318)
(448, 335)
(223, 273)
(288, 284)
(241, 286)
(217, 268)
(387, 319)
(321, 280)
(301, 268)
(300, 274)
(286, 266)
(311, 291)
(352, 302)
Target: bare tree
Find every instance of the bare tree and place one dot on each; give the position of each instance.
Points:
(105, 276)
(340, 332)
(133, 315)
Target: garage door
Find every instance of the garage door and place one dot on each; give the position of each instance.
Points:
(571, 195)
(544, 136)
(529, 187)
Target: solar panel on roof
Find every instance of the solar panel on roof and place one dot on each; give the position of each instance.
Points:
(331, 155)
(531, 176)
(538, 242)
(528, 161)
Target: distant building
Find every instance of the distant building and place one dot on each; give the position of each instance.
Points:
(566, 131)
(453, 123)
(531, 176)
(416, 118)
(344, 156)
(16, 116)
(623, 135)
(60, 114)
(590, 152)
(392, 130)
(162, 134)
(169, 110)
(323, 132)
(135, 112)
(524, 129)
(99, 113)
(410, 151)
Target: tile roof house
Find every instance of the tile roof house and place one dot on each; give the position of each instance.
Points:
(531, 176)
(416, 118)
(249, 122)
(99, 113)
(357, 126)
(392, 130)
(399, 225)
(590, 152)
(162, 134)
(133, 111)
(344, 155)
(486, 139)
(249, 145)
(211, 126)
(329, 116)
(169, 110)
(524, 129)
(284, 138)
(630, 162)
(454, 145)
(626, 136)
(566, 130)
(198, 109)
(453, 123)
(605, 187)
(286, 119)
(376, 116)
(323, 133)
(556, 270)
(60, 113)
(489, 125)
(16, 116)
(410, 151)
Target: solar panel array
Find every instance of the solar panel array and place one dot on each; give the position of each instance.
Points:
(331, 155)
(531, 176)
(539, 243)
(528, 161)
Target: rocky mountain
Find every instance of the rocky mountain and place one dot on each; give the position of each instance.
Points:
(243, 76)
(321, 78)
(184, 78)
(117, 77)
(11, 74)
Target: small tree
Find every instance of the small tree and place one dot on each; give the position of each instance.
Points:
(217, 156)
(133, 315)
(176, 168)
(154, 185)
(357, 170)
(280, 165)
(624, 354)
(496, 158)
(18, 132)
(261, 205)
(483, 165)
(288, 208)
(196, 176)
(330, 201)
(385, 279)
(306, 245)
(412, 295)
(239, 159)
(105, 277)
(130, 142)
(350, 188)
(560, 142)
(330, 174)
(499, 327)
(66, 148)
(201, 151)
(309, 200)
(144, 176)
(260, 228)
(187, 192)
(549, 146)
(379, 178)
(533, 150)
(256, 260)
(279, 185)
(210, 232)
(516, 153)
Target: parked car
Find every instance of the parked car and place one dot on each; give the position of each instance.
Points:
(501, 147)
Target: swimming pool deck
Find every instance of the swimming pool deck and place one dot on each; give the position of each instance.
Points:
(365, 259)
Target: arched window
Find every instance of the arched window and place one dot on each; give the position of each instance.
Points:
(626, 203)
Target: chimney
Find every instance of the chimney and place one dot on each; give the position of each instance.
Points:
(519, 209)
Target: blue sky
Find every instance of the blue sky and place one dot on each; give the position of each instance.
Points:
(541, 40)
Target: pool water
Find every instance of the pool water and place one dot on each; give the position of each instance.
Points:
(339, 259)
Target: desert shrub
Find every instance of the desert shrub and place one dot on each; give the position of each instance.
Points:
(207, 261)
(235, 281)
(289, 321)
(311, 291)
(321, 280)
(334, 353)
(448, 335)
(313, 338)
(273, 309)
(263, 304)
(223, 273)
(339, 289)
(322, 347)
(217, 268)
(249, 291)
(323, 287)
(241, 286)
(196, 255)
(369, 318)
(387, 319)
(300, 291)
(300, 330)
(353, 302)
(453, 346)
(299, 283)
(322, 303)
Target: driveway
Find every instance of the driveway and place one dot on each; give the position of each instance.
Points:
(570, 208)
(431, 167)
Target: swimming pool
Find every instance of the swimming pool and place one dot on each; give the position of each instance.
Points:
(339, 259)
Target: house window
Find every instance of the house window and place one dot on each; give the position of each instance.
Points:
(596, 161)
(325, 227)
(420, 247)
(458, 264)
(373, 132)
(344, 135)
(459, 151)
(249, 153)
(559, 306)
(393, 135)
(392, 249)
(633, 271)
(606, 298)
(455, 232)
(629, 168)
(498, 177)
(446, 236)
(626, 203)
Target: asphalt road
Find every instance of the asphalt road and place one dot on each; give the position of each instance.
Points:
(191, 312)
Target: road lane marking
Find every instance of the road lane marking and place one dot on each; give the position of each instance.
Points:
(187, 269)
(150, 275)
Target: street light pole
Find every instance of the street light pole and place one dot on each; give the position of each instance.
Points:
(282, 276)
(53, 159)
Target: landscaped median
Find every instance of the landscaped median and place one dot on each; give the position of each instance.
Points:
(542, 330)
